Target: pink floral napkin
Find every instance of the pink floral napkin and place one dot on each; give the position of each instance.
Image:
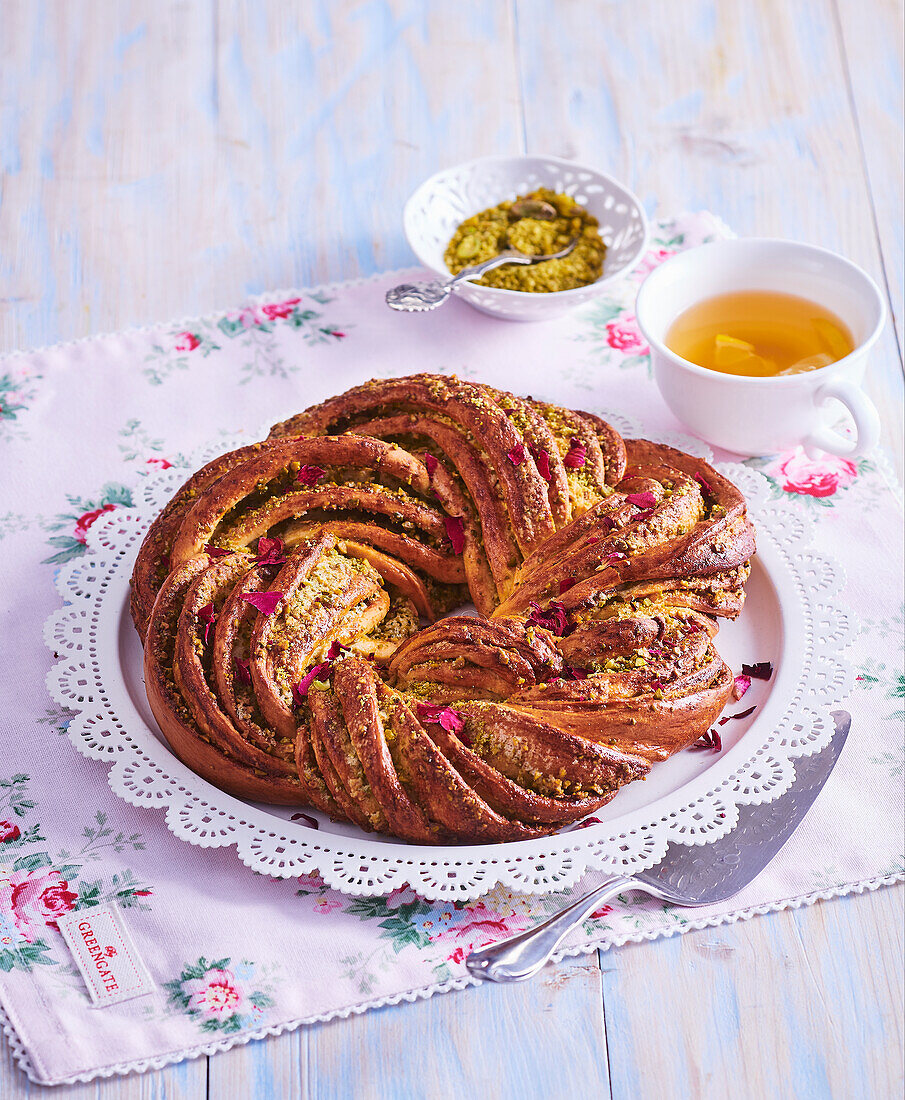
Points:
(233, 955)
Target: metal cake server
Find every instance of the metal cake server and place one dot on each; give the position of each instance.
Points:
(686, 875)
(418, 297)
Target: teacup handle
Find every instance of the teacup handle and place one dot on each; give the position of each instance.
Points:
(863, 412)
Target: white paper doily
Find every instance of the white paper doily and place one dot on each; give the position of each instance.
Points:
(792, 618)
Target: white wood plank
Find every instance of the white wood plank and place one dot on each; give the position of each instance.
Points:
(104, 145)
(543, 1038)
(330, 115)
(166, 159)
(804, 1003)
(873, 40)
(274, 1067)
(741, 108)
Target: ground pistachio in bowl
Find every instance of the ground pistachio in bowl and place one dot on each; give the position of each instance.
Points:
(536, 224)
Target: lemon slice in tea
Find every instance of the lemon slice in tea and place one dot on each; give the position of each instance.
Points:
(734, 356)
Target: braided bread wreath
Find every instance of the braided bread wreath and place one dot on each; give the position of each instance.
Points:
(280, 595)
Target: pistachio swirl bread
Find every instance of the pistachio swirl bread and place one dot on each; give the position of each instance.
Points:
(294, 600)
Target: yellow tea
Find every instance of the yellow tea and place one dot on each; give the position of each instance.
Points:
(759, 333)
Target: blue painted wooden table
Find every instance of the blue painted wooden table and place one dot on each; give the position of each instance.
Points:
(161, 159)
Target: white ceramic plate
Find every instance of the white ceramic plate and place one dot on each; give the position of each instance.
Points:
(790, 619)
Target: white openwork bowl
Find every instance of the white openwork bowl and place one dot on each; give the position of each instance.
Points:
(444, 201)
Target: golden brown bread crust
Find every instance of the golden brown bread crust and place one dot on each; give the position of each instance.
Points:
(283, 592)
(185, 738)
(153, 562)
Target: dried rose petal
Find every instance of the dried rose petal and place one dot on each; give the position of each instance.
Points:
(573, 672)
(763, 670)
(208, 616)
(271, 551)
(216, 551)
(265, 602)
(518, 454)
(575, 456)
(566, 583)
(592, 540)
(431, 463)
(642, 500)
(310, 475)
(317, 672)
(455, 532)
(614, 555)
(555, 619)
(243, 670)
(703, 482)
(744, 714)
(710, 740)
(306, 819)
(542, 461)
(446, 717)
(588, 821)
(742, 683)
(336, 648)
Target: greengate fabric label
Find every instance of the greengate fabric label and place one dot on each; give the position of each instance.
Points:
(105, 955)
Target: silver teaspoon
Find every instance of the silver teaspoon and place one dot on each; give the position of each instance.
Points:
(418, 297)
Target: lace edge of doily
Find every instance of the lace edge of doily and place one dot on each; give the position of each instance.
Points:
(422, 993)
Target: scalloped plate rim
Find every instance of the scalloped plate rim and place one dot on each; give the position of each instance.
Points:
(319, 850)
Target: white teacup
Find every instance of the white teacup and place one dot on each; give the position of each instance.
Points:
(757, 416)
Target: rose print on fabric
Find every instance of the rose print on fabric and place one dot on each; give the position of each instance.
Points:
(815, 477)
(261, 316)
(623, 334)
(17, 391)
(876, 674)
(75, 524)
(221, 997)
(311, 883)
(612, 330)
(34, 899)
(58, 717)
(609, 324)
(653, 259)
(187, 341)
(177, 350)
(13, 522)
(139, 446)
(475, 925)
(815, 481)
(36, 888)
(256, 323)
(253, 326)
(449, 931)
